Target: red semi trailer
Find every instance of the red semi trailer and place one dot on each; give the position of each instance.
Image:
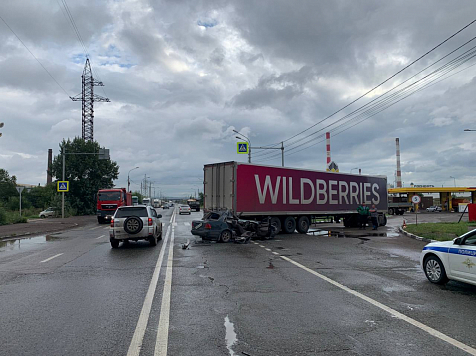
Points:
(292, 197)
(108, 200)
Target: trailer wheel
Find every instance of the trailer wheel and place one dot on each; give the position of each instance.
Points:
(303, 225)
(276, 222)
(391, 211)
(289, 225)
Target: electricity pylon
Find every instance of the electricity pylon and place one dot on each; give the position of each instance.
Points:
(87, 97)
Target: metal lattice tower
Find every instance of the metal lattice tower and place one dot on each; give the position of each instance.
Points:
(87, 97)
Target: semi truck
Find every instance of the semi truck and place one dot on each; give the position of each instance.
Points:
(293, 198)
(108, 200)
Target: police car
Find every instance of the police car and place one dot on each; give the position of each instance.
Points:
(455, 260)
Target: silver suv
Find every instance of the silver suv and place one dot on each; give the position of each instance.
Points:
(139, 222)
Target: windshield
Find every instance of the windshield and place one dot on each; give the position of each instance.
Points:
(135, 199)
(106, 196)
(126, 212)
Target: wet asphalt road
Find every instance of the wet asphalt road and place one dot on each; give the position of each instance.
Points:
(228, 299)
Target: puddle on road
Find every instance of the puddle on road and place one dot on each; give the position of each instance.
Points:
(21, 243)
(230, 336)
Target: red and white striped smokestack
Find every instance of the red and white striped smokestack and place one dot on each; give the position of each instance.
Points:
(399, 171)
(328, 148)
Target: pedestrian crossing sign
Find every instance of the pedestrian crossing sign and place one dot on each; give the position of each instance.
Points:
(63, 186)
(242, 147)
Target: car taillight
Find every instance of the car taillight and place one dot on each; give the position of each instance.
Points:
(112, 222)
(150, 221)
(208, 226)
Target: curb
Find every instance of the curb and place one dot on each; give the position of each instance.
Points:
(6, 237)
(415, 236)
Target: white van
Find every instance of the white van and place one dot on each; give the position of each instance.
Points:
(146, 201)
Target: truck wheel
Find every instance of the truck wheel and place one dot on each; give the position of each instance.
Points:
(391, 211)
(276, 222)
(289, 225)
(303, 225)
(225, 236)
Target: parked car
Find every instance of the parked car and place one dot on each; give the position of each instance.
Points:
(455, 260)
(434, 209)
(139, 222)
(184, 209)
(49, 212)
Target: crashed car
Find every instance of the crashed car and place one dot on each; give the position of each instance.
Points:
(225, 226)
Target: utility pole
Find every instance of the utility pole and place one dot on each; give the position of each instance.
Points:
(87, 97)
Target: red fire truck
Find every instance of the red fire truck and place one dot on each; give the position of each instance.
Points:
(108, 200)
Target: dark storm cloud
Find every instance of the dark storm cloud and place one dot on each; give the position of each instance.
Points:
(184, 74)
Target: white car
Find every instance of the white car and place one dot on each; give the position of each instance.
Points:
(184, 209)
(50, 212)
(139, 222)
(455, 260)
(434, 209)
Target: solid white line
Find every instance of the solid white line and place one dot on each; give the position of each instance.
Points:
(94, 228)
(393, 312)
(100, 237)
(138, 337)
(49, 259)
(161, 342)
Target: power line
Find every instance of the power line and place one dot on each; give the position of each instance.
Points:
(46, 70)
(385, 81)
(432, 78)
(80, 39)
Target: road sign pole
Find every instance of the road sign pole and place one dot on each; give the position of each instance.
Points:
(62, 193)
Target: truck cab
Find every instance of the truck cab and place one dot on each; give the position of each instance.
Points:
(108, 200)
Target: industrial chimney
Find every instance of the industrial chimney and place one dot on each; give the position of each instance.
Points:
(399, 171)
(49, 178)
(328, 149)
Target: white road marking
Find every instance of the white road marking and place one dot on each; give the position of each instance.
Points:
(49, 259)
(275, 253)
(138, 337)
(95, 228)
(267, 249)
(261, 246)
(174, 224)
(391, 311)
(100, 237)
(186, 223)
(162, 340)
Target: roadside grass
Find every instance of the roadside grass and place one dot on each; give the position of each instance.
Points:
(8, 217)
(440, 231)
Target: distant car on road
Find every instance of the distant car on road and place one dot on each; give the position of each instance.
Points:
(184, 209)
(455, 260)
(139, 222)
(214, 226)
(434, 209)
(49, 212)
(165, 206)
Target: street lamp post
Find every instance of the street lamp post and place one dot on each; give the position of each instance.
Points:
(260, 148)
(128, 180)
(454, 180)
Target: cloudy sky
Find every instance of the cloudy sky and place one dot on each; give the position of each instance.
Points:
(183, 74)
